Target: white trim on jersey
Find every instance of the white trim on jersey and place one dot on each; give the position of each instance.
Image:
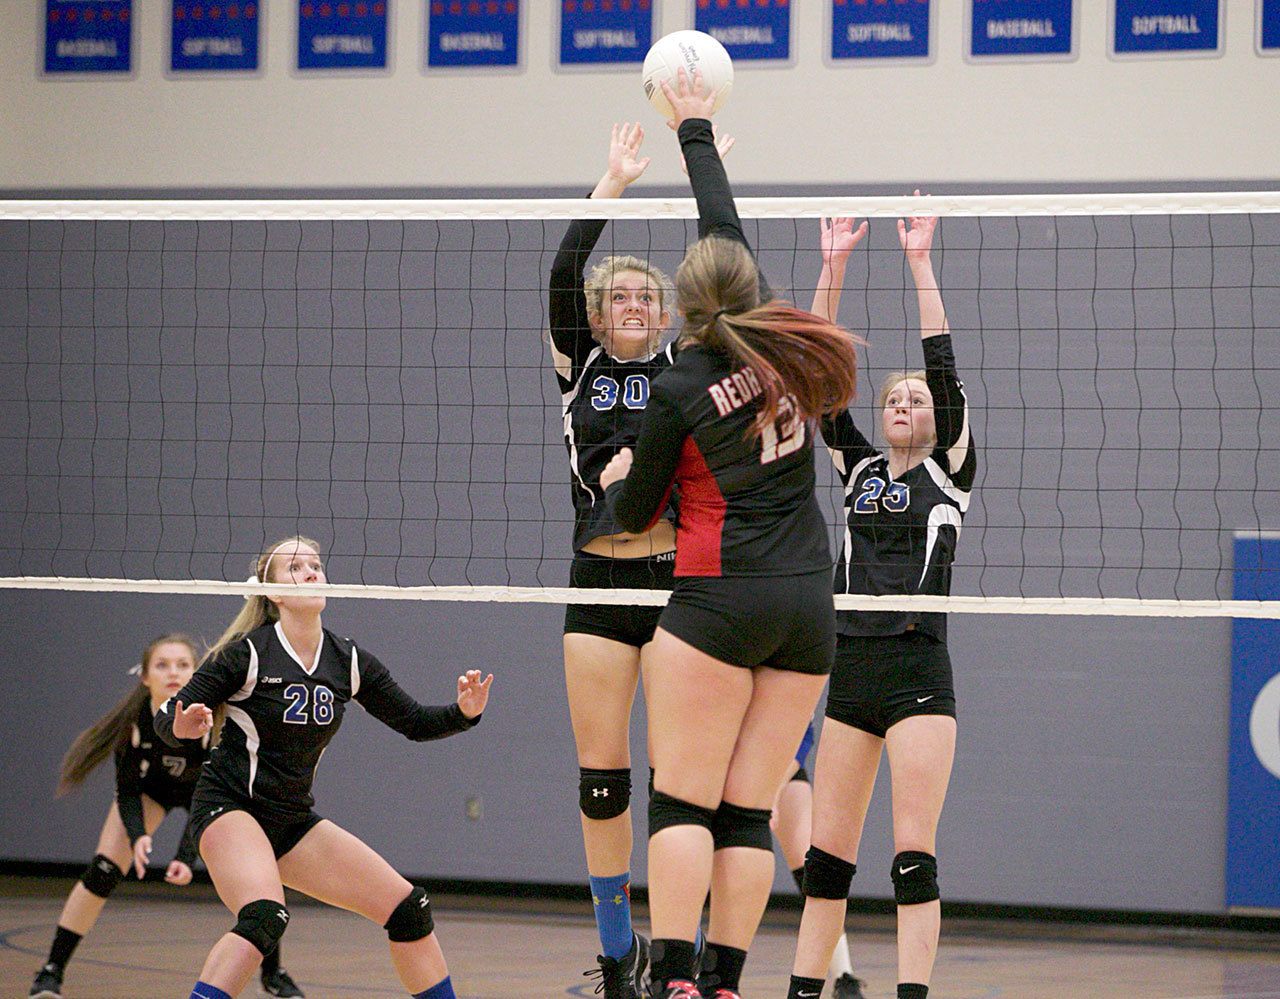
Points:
(355, 673)
(837, 459)
(943, 481)
(561, 361)
(942, 513)
(241, 717)
(566, 400)
(294, 656)
(957, 452)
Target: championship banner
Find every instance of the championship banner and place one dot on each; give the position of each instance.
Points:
(88, 36)
(1269, 27)
(1022, 29)
(596, 34)
(881, 32)
(342, 34)
(758, 32)
(211, 37)
(1166, 27)
(463, 34)
(1253, 785)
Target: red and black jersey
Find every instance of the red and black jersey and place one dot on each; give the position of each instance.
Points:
(602, 398)
(747, 504)
(901, 534)
(282, 713)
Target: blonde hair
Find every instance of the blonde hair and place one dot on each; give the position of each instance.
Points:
(895, 379)
(791, 352)
(600, 280)
(111, 731)
(257, 609)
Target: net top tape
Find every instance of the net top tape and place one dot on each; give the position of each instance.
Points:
(1008, 205)
(1071, 606)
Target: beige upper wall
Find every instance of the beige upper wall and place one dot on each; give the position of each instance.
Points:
(1091, 120)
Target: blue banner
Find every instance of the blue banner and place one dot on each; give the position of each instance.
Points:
(342, 34)
(1021, 28)
(1269, 26)
(214, 37)
(88, 36)
(880, 31)
(760, 31)
(1159, 26)
(465, 33)
(595, 34)
(1253, 787)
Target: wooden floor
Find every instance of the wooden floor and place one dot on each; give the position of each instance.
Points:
(151, 941)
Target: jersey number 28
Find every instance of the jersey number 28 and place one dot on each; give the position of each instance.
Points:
(298, 695)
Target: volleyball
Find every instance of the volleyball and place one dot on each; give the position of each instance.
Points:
(693, 50)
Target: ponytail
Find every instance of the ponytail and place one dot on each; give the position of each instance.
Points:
(795, 355)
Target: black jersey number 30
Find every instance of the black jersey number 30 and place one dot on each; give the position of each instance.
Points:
(299, 695)
(635, 392)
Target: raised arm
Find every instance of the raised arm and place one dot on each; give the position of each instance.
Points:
(950, 406)
(571, 339)
(838, 237)
(387, 701)
(717, 214)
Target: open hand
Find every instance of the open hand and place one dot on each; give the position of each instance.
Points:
(689, 98)
(838, 238)
(473, 693)
(194, 722)
(917, 240)
(617, 469)
(625, 162)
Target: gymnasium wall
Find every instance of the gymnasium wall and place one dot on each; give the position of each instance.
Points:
(1091, 768)
(1092, 120)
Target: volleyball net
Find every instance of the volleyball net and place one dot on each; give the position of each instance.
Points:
(183, 383)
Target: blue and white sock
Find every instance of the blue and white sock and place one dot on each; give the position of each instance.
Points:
(441, 990)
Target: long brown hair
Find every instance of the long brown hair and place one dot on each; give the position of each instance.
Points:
(257, 609)
(794, 354)
(111, 731)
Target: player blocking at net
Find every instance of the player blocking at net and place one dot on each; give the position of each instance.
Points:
(285, 681)
(152, 779)
(892, 685)
(743, 648)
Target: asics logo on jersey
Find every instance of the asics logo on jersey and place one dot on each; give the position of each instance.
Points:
(271, 679)
(921, 700)
(907, 870)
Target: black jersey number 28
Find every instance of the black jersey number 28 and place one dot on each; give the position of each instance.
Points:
(299, 695)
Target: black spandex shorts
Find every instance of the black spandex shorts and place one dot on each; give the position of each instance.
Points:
(880, 680)
(211, 802)
(786, 622)
(625, 623)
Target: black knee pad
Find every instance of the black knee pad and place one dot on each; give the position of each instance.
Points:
(603, 794)
(666, 811)
(735, 825)
(411, 920)
(915, 877)
(262, 923)
(101, 876)
(826, 875)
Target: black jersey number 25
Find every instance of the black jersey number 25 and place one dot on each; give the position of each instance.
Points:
(300, 696)
(894, 497)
